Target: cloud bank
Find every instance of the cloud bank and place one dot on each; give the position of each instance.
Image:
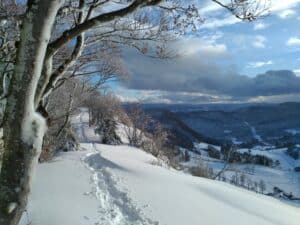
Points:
(204, 73)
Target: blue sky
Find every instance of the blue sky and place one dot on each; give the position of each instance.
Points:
(224, 59)
(266, 40)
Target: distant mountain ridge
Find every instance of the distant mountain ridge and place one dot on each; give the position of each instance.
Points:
(181, 134)
(248, 124)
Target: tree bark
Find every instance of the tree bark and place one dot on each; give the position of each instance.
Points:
(48, 79)
(23, 127)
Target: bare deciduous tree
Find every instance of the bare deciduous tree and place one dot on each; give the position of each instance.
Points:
(61, 105)
(227, 151)
(138, 122)
(105, 113)
(262, 186)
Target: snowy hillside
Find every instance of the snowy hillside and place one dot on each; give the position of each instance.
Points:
(281, 176)
(121, 185)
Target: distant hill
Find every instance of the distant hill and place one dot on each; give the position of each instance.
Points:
(181, 134)
(249, 124)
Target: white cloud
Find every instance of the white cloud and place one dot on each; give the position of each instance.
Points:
(215, 49)
(259, 64)
(133, 95)
(286, 13)
(276, 6)
(168, 97)
(211, 23)
(281, 5)
(297, 72)
(260, 26)
(259, 41)
(282, 8)
(293, 41)
(275, 98)
(209, 47)
(209, 7)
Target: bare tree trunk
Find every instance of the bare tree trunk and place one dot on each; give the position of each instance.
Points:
(23, 127)
(226, 164)
(68, 112)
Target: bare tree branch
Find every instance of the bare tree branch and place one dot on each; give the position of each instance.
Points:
(106, 17)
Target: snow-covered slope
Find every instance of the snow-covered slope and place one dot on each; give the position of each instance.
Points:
(121, 185)
(281, 176)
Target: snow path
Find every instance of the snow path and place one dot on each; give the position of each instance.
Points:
(62, 193)
(120, 185)
(85, 133)
(115, 205)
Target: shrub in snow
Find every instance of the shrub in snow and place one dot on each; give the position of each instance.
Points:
(106, 128)
(213, 152)
(61, 106)
(234, 179)
(249, 183)
(242, 179)
(145, 133)
(186, 156)
(66, 141)
(157, 162)
(262, 186)
(105, 113)
(202, 170)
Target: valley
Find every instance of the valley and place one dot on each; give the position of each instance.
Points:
(263, 139)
